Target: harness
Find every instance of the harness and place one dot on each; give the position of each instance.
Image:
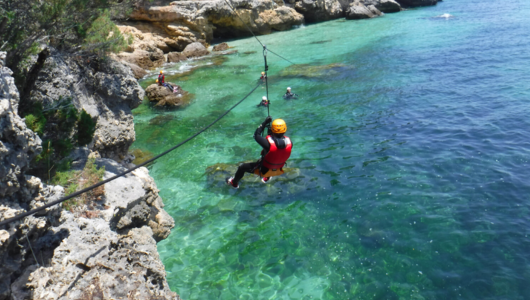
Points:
(161, 79)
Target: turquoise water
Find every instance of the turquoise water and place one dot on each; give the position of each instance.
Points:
(410, 164)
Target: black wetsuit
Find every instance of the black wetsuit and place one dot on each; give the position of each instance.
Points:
(263, 103)
(262, 141)
(289, 95)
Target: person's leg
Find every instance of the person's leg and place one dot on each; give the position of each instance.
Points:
(248, 167)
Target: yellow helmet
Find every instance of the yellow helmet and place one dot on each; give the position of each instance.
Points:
(278, 126)
(161, 72)
(262, 73)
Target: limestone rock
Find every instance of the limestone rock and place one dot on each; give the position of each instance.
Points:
(221, 47)
(320, 10)
(359, 11)
(415, 3)
(143, 58)
(18, 144)
(174, 57)
(195, 50)
(386, 6)
(136, 70)
(164, 97)
(107, 90)
(96, 262)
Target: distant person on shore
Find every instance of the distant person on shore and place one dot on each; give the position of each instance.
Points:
(276, 151)
(264, 102)
(288, 95)
(162, 81)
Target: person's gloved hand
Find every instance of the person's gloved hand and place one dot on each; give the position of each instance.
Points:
(268, 119)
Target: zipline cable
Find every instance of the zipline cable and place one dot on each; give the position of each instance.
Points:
(28, 213)
(267, 80)
(233, 9)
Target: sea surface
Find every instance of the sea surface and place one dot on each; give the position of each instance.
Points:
(410, 173)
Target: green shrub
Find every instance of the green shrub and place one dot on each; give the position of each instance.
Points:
(85, 128)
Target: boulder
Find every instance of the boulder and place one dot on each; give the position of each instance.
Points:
(374, 10)
(416, 3)
(136, 70)
(164, 97)
(386, 6)
(320, 10)
(174, 57)
(195, 50)
(221, 47)
(359, 11)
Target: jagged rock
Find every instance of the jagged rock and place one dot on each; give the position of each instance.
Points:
(18, 144)
(359, 11)
(320, 10)
(386, 6)
(96, 262)
(164, 97)
(221, 47)
(374, 10)
(143, 58)
(184, 22)
(107, 90)
(174, 57)
(133, 201)
(195, 50)
(415, 3)
(136, 70)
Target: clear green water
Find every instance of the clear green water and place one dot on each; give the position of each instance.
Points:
(413, 155)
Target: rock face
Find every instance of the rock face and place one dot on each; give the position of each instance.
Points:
(164, 97)
(107, 90)
(18, 144)
(114, 256)
(19, 192)
(221, 47)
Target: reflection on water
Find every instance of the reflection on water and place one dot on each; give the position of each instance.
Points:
(410, 162)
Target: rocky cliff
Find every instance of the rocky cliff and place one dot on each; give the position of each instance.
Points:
(162, 26)
(56, 254)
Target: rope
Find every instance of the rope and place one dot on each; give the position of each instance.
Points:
(233, 9)
(266, 80)
(31, 248)
(28, 213)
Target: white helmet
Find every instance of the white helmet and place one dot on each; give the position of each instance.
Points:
(264, 98)
(289, 88)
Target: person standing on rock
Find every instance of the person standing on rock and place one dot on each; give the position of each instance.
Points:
(276, 151)
(264, 102)
(288, 95)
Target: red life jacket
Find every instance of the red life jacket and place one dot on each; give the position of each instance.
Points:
(276, 158)
(161, 79)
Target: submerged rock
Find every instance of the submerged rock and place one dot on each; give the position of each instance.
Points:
(307, 70)
(164, 97)
(221, 47)
(415, 3)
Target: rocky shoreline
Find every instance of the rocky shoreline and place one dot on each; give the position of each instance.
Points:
(108, 250)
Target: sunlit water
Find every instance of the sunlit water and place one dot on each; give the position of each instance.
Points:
(411, 136)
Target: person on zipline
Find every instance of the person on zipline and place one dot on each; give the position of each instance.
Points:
(263, 76)
(276, 151)
(264, 102)
(288, 95)
(162, 81)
